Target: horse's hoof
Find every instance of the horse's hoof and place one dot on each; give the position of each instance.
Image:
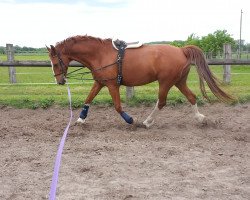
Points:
(80, 121)
(148, 124)
(200, 117)
(139, 124)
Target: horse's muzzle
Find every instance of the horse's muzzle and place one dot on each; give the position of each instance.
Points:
(61, 82)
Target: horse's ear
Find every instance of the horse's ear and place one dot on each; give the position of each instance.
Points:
(48, 48)
(52, 50)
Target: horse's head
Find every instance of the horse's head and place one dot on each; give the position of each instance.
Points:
(59, 62)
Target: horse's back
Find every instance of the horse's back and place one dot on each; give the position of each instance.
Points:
(153, 62)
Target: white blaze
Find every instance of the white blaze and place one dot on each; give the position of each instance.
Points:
(52, 67)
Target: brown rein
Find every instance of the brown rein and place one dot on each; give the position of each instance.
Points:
(84, 73)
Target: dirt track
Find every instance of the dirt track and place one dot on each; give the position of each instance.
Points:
(107, 159)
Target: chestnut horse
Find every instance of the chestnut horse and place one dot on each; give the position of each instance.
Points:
(166, 64)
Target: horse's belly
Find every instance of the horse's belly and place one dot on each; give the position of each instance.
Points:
(138, 78)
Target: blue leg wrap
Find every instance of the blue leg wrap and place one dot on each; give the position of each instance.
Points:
(127, 118)
(84, 112)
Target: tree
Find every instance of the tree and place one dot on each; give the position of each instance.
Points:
(17, 49)
(193, 40)
(214, 42)
(2, 50)
(246, 47)
(178, 43)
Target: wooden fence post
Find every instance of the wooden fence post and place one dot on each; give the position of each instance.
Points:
(10, 58)
(129, 93)
(227, 68)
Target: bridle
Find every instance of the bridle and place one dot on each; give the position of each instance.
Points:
(61, 64)
(71, 75)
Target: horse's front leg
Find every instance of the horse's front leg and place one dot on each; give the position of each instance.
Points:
(115, 94)
(92, 94)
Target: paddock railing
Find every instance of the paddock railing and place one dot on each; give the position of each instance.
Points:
(226, 61)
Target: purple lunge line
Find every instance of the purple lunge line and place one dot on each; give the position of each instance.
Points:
(59, 153)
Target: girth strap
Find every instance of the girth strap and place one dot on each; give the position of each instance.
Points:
(121, 45)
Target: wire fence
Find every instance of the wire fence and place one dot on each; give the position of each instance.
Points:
(244, 55)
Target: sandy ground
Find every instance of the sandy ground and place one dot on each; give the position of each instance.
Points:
(107, 159)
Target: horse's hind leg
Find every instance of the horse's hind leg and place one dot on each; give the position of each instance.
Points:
(150, 119)
(163, 91)
(182, 86)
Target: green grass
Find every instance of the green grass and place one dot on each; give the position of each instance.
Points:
(46, 93)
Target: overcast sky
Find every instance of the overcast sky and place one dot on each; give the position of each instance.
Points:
(35, 23)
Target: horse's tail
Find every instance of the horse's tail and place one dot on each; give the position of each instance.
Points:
(196, 56)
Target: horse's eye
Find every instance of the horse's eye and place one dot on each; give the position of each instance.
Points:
(55, 65)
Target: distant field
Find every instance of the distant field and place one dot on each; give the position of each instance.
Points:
(36, 87)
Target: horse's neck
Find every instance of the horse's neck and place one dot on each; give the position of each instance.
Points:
(89, 57)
